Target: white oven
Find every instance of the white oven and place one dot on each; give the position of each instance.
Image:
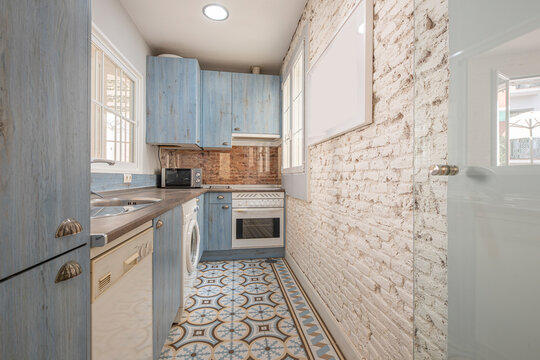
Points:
(257, 219)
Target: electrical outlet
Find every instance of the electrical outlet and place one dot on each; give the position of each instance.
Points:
(127, 178)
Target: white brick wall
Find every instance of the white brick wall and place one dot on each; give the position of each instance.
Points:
(354, 241)
(431, 120)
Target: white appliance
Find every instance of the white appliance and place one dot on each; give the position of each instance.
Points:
(191, 246)
(122, 300)
(257, 219)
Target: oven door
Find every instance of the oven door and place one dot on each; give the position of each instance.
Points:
(257, 228)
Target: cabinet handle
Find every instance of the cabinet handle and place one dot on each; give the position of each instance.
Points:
(225, 206)
(68, 271)
(68, 227)
(221, 197)
(236, 129)
(159, 224)
(226, 143)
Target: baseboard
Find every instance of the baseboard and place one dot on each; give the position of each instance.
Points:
(338, 333)
(243, 254)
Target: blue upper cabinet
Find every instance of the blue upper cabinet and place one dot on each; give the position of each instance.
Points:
(256, 105)
(216, 109)
(173, 88)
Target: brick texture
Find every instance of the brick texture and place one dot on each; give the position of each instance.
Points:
(430, 225)
(354, 240)
(247, 165)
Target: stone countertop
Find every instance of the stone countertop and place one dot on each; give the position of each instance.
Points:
(114, 227)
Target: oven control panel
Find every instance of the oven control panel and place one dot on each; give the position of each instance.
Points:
(258, 199)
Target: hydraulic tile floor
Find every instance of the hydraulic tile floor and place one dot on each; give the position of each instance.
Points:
(249, 310)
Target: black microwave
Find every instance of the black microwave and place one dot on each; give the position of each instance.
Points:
(181, 178)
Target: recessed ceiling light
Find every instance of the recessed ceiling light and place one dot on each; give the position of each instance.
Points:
(215, 12)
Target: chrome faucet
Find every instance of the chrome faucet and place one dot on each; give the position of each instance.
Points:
(95, 193)
(104, 161)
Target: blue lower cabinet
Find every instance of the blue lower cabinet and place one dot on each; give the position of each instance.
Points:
(167, 274)
(219, 236)
(46, 310)
(200, 219)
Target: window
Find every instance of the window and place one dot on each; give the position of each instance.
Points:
(518, 119)
(293, 114)
(115, 98)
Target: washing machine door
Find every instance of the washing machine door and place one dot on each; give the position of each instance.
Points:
(193, 246)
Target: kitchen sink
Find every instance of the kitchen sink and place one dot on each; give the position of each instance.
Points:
(115, 206)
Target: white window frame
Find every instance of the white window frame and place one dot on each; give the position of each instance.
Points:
(287, 75)
(108, 48)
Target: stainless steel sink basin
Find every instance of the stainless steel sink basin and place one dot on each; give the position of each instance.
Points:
(115, 206)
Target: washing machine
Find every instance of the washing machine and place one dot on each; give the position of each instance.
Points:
(191, 246)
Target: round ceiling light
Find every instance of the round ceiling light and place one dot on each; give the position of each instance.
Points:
(215, 12)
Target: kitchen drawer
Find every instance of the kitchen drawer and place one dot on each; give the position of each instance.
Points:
(219, 198)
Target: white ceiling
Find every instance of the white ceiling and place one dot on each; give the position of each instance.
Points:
(257, 32)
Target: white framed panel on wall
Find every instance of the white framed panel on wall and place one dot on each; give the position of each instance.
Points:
(339, 83)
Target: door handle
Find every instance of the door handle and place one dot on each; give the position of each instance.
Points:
(236, 129)
(443, 170)
(225, 206)
(225, 144)
(159, 224)
(221, 197)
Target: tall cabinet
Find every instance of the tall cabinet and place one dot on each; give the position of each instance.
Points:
(44, 179)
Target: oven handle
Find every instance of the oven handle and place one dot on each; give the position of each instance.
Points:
(257, 209)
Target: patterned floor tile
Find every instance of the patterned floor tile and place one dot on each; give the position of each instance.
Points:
(249, 310)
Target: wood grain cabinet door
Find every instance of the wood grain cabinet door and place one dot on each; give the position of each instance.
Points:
(219, 227)
(216, 109)
(44, 129)
(167, 270)
(46, 315)
(256, 103)
(173, 89)
(201, 220)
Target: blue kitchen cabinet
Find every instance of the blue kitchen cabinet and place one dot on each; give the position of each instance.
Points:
(44, 131)
(173, 89)
(256, 104)
(45, 179)
(167, 274)
(216, 109)
(200, 221)
(46, 309)
(219, 216)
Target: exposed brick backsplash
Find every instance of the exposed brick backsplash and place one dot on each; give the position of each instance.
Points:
(354, 240)
(247, 165)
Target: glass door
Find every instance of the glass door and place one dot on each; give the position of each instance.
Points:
(494, 200)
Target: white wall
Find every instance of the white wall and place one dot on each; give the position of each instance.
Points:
(111, 18)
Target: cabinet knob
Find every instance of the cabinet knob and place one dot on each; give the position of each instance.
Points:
(225, 143)
(159, 224)
(221, 197)
(236, 129)
(198, 199)
(68, 271)
(225, 206)
(68, 227)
